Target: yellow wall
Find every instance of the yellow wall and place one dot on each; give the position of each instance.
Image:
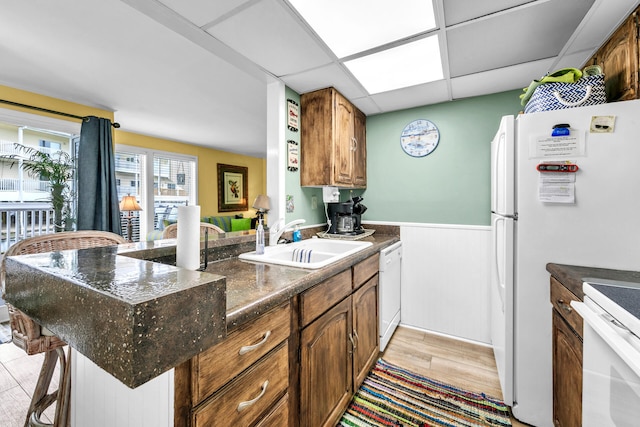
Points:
(207, 169)
(207, 157)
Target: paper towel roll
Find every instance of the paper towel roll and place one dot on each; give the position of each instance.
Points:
(188, 247)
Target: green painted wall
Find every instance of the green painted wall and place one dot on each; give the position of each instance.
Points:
(301, 195)
(449, 186)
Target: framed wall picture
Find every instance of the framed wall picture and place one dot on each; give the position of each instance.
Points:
(232, 188)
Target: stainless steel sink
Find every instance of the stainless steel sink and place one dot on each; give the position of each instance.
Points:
(311, 253)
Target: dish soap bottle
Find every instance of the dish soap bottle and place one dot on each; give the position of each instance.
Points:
(297, 235)
(260, 238)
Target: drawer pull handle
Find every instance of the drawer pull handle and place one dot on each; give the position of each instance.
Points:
(564, 305)
(353, 343)
(244, 405)
(247, 348)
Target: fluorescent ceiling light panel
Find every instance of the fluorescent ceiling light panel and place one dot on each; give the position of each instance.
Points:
(352, 26)
(406, 65)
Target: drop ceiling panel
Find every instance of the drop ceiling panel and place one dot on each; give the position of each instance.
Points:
(499, 80)
(429, 93)
(319, 78)
(359, 25)
(270, 36)
(457, 11)
(599, 24)
(201, 12)
(512, 38)
(164, 76)
(367, 106)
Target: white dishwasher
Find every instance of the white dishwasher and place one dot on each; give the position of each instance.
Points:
(389, 291)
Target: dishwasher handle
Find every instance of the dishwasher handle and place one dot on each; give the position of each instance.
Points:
(612, 332)
(390, 255)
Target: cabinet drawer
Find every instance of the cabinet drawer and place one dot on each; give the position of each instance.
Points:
(364, 270)
(250, 395)
(218, 365)
(279, 416)
(561, 299)
(323, 296)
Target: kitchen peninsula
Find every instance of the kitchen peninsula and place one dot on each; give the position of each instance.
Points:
(136, 316)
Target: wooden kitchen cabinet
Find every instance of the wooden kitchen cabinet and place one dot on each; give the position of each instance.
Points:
(338, 348)
(245, 377)
(333, 141)
(619, 58)
(326, 370)
(299, 364)
(567, 358)
(365, 327)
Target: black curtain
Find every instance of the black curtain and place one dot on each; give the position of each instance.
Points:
(98, 207)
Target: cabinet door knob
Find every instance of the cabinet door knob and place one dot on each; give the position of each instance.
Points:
(247, 348)
(353, 343)
(564, 305)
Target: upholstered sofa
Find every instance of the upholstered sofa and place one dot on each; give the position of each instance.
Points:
(227, 222)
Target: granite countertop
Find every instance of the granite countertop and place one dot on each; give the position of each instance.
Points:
(254, 288)
(127, 315)
(571, 276)
(124, 307)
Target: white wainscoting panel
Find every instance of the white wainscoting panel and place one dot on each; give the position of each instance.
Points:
(100, 400)
(445, 279)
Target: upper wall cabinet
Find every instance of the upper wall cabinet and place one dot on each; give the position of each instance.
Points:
(333, 144)
(619, 58)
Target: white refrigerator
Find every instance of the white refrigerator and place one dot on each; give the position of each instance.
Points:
(541, 217)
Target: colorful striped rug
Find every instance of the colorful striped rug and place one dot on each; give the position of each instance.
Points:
(391, 396)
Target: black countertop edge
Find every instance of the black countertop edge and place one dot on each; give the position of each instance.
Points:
(572, 276)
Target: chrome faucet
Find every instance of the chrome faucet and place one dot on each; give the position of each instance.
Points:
(275, 231)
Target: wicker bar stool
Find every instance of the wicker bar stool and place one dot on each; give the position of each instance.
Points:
(34, 339)
(171, 231)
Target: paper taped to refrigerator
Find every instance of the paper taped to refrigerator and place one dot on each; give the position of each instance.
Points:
(544, 147)
(557, 187)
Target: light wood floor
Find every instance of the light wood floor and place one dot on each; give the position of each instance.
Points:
(458, 363)
(461, 364)
(18, 377)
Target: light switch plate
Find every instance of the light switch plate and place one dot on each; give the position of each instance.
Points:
(330, 194)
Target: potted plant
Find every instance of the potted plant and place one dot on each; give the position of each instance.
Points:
(57, 168)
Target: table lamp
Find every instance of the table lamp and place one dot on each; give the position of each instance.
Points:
(262, 205)
(129, 204)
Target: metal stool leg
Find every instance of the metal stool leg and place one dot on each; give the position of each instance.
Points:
(41, 400)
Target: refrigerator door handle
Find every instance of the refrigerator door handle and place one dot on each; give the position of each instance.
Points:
(494, 174)
(500, 284)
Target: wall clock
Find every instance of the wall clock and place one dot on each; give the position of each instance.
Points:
(419, 138)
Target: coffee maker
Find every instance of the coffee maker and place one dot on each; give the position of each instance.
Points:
(345, 217)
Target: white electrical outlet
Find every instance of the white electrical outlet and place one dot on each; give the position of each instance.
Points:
(330, 194)
(314, 202)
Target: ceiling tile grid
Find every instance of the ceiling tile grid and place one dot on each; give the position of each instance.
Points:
(197, 71)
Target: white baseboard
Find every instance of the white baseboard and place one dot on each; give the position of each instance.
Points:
(440, 334)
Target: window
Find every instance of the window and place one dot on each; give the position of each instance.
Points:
(26, 209)
(160, 189)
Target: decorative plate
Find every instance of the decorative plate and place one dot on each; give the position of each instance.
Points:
(419, 138)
